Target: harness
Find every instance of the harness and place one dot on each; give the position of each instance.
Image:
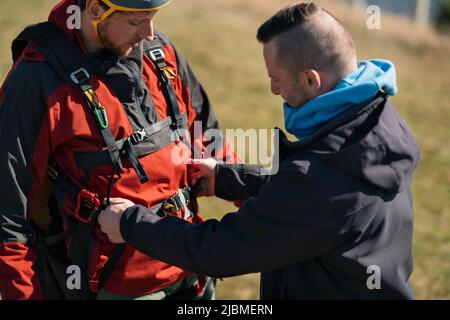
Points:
(72, 67)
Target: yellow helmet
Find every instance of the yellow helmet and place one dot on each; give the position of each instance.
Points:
(130, 6)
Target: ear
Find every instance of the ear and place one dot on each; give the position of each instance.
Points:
(311, 82)
(313, 79)
(94, 9)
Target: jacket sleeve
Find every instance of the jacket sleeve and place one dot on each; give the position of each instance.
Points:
(24, 150)
(238, 181)
(286, 224)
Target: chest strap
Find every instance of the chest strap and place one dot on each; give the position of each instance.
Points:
(149, 140)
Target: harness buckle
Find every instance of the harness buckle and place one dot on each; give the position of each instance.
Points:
(80, 76)
(178, 202)
(157, 55)
(139, 136)
(91, 203)
(170, 208)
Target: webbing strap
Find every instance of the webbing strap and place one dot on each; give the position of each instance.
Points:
(155, 137)
(52, 240)
(61, 179)
(148, 131)
(68, 62)
(64, 57)
(134, 161)
(110, 264)
(156, 54)
(64, 182)
(102, 121)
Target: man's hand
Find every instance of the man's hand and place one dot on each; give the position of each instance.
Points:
(205, 174)
(109, 219)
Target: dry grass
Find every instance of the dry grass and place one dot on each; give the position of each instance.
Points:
(218, 38)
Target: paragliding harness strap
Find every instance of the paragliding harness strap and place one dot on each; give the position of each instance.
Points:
(68, 62)
(88, 204)
(179, 203)
(166, 75)
(88, 207)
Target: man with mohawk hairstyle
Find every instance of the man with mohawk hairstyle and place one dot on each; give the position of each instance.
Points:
(336, 221)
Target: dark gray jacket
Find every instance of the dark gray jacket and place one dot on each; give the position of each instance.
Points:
(336, 217)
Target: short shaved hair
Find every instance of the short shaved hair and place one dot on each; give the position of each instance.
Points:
(309, 37)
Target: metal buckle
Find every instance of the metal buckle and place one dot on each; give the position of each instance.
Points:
(74, 76)
(172, 206)
(184, 202)
(183, 199)
(157, 55)
(139, 136)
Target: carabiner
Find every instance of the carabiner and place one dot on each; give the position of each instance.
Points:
(102, 117)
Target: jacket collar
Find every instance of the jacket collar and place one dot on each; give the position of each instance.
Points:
(289, 148)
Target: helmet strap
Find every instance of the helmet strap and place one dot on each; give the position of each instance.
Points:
(96, 23)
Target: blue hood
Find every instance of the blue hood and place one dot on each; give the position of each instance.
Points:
(356, 88)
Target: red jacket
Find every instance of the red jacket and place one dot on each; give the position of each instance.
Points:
(43, 117)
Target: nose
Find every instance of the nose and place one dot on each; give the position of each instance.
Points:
(147, 31)
(275, 89)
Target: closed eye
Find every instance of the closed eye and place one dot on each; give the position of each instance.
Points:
(134, 23)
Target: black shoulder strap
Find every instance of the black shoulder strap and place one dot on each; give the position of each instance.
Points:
(154, 49)
(68, 62)
(61, 53)
(34, 33)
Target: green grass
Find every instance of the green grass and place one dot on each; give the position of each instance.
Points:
(218, 38)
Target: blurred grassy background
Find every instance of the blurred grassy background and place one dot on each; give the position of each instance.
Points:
(218, 38)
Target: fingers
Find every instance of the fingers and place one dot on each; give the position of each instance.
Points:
(196, 176)
(203, 167)
(100, 219)
(115, 239)
(104, 222)
(118, 204)
(109, 223)
(196, 161)
(112, 201)
(116, 200)
(205, 188)
(208, 162)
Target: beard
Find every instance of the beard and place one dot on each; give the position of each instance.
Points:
(108, 45)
